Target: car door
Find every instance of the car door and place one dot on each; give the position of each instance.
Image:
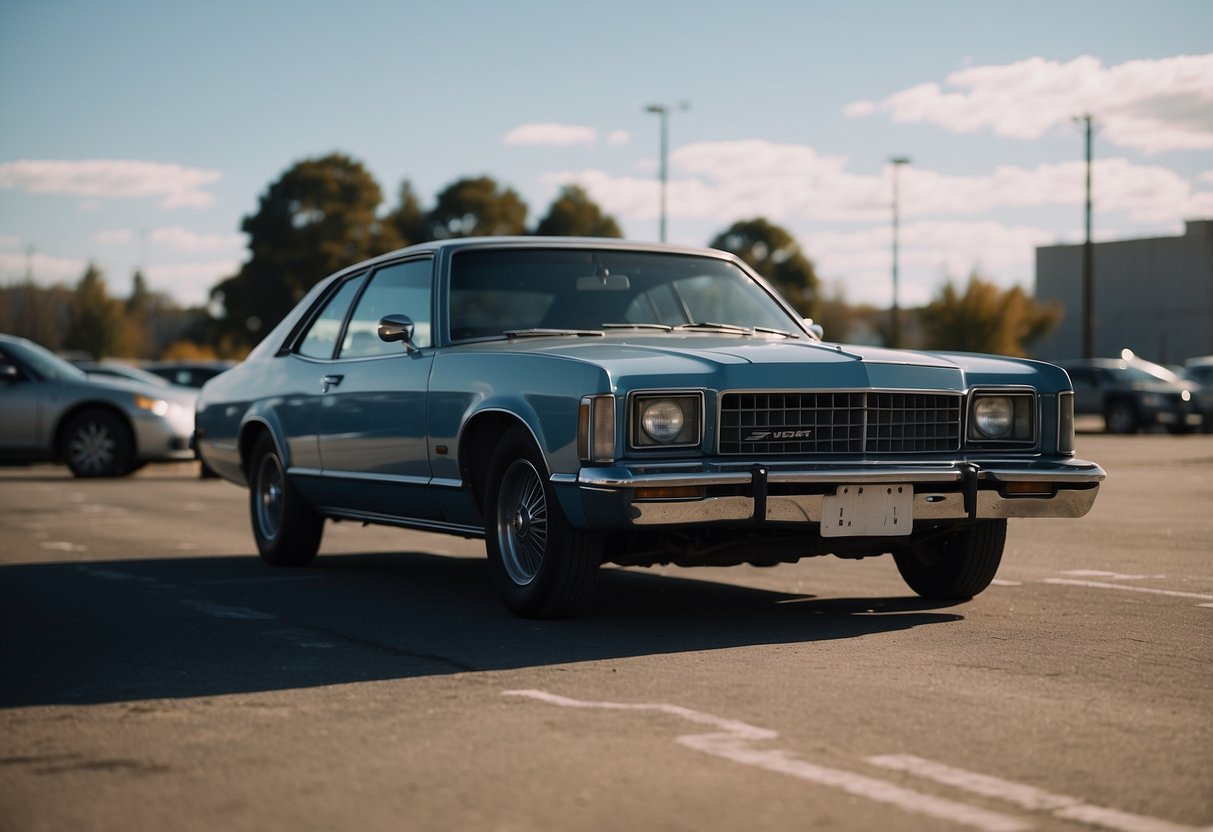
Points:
(373, 449)
(21, 396)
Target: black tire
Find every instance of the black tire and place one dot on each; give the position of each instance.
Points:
(540, 565)
(956, 566)
(286, 529)
(1120, 416)
(98, 443)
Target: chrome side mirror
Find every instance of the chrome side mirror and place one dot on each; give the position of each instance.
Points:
(397, 328)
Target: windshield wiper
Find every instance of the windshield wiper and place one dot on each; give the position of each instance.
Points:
(736, 328)
(662, 327)
(548, 333)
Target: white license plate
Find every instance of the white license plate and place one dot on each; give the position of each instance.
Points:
(863, 510)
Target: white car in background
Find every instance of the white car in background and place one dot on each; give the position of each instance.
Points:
(51, 411)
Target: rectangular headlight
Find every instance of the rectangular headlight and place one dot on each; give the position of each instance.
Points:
(665, 420)
(998, 416)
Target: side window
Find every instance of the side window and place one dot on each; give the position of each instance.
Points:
(399, 289)
(320, 339)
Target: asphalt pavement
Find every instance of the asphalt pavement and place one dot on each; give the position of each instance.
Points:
(154, 674)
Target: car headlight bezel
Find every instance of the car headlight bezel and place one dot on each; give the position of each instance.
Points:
(1002, 417)
(667, 419)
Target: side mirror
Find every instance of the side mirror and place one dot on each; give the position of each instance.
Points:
(9, 373)
(397, 328)
(816, 329)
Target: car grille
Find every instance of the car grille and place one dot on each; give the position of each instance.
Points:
(798, 422)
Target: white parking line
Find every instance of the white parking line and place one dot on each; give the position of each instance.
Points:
(1130, 588)
(733, 740)
(1029, 797)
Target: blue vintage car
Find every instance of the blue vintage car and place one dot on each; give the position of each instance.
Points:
(576, 402)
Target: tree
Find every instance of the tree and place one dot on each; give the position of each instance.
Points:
(986, 319)
(95, 319)
(773, 253)
(409, 218)
(318, 217)
(477, 207)
(574, 214)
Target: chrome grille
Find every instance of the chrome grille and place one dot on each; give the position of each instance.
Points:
(861, 422)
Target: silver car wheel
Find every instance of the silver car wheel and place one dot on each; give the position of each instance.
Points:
(270, 503)
(522, 522)
(91, 448)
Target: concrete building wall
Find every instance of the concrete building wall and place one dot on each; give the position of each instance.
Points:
(1153, 296)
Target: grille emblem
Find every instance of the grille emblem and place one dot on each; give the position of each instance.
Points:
(764, 435)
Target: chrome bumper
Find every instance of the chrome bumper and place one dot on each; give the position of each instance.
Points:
(780, 494)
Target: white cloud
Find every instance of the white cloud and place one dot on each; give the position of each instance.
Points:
(1148, 105)
(618, 137)
(190, 283)
(114, 236)
(182, 239)
(551, 135)
(175, 185)
(45, 269)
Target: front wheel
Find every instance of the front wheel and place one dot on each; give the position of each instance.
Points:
(1121, 417)
(541, 566)
(98, 443)
(956, 566)
(286, 529)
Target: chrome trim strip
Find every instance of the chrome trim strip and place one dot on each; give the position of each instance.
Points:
(403, 522)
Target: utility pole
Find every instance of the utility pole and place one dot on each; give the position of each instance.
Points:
(1088, 259)
(895, 312)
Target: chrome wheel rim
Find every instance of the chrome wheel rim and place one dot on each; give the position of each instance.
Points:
(271, 485)
(522, 522)
(91, 449)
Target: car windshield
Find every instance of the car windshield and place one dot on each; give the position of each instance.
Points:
(43, 362)
(579, 291)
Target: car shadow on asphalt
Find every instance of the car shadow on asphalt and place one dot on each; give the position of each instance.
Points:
(172, 627)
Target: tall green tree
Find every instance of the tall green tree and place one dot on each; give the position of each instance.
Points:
(574, 214)
(773, 253)
(477, 207)
(985, 318)
(95, 319)
(319, 216)
(408, 218)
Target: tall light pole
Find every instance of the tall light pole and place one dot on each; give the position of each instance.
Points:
(1088, 260)
(663, 111)
(895, 314)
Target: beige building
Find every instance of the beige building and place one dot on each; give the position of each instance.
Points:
(1153, 296)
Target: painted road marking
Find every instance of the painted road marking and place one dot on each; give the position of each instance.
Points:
(1130, 588)
(1028, 797)
(734, 741)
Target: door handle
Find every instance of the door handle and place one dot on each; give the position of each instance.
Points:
(330, 381)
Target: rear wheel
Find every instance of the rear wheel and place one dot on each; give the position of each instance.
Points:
(98, 443)
(541, 566)
(286, 529)
(956, 566)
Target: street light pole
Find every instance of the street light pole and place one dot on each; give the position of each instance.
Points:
(1088, 260)
(895, 314)
(663, 111)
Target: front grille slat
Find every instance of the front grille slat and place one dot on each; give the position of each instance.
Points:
(830, 422)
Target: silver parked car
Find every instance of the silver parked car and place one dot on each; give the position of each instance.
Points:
(51, 411)
(576, 402)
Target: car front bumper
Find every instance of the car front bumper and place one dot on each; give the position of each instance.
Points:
(614, 497)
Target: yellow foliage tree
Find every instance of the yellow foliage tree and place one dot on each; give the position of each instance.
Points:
(985, 318)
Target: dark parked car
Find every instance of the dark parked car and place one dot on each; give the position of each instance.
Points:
(1131, 394)
(576, 402)
(51, 411)
(188, 373)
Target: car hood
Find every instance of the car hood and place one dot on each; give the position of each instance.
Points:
(775, 361)
(183, 396)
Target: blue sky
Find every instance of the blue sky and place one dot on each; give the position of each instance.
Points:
(140, 133)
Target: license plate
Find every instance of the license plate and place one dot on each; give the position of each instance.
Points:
(868, 510)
